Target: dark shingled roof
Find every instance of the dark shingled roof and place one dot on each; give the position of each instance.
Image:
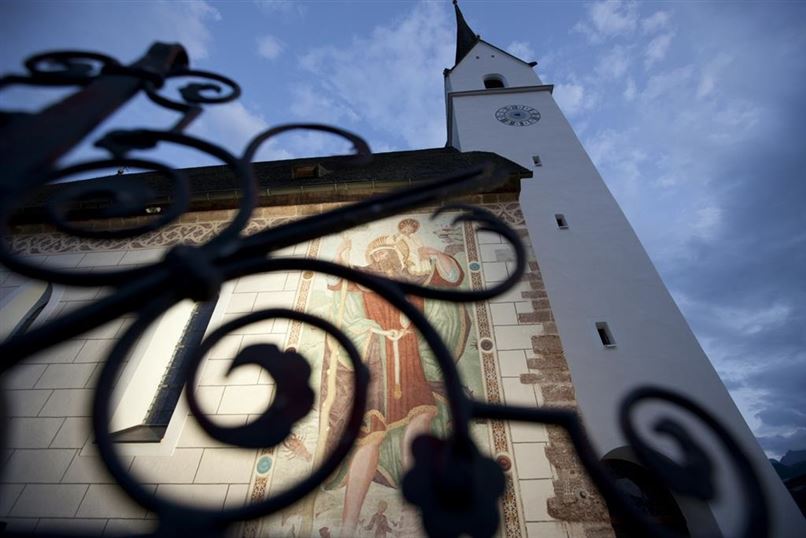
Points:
(215, 187)
(465, 38)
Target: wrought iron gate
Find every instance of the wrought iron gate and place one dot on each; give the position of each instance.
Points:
(455, 487)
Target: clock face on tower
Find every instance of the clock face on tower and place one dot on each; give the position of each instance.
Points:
(520, 115)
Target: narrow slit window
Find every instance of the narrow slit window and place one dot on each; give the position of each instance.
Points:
(162, 407)
(562, 224)
(536, 160)
(605, 335)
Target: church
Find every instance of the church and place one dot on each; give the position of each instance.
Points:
(589, 321)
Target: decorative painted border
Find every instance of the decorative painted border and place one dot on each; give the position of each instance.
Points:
(264, 468)
(185, 233)
(502, 451)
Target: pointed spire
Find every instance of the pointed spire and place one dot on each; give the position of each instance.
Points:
(465, 38)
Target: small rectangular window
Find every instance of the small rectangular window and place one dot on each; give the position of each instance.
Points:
(562, 224)
(536, 160)
(604, 334)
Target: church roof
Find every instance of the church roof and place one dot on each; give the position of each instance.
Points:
(297, 181)
(465, 38)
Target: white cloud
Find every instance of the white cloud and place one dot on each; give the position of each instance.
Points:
(715, 123)
(609, 18)
(754, 321)
(667, 181)
(706, 85)
(123, 30)
(706, 222)
(657, 49)
(522, 50)
(615, 154)
(573, 98)
(269, 46)
(613, 16)
(547, 60)
(732, 121)
(737, 320)
(311, 105)
(711, 73)
(311, 143)
(386, 81)
(187, 23)
(232, 125)
(667, 82)
(655, 22)
(630, 91)
(613, 64)
(281, 6)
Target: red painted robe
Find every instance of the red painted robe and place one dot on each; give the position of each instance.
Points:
(399, 388)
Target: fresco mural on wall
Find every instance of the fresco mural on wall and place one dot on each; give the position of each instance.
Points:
(406, 396)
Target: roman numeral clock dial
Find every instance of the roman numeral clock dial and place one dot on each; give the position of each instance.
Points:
(517, 115)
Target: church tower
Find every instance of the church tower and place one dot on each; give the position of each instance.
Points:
(619, 326)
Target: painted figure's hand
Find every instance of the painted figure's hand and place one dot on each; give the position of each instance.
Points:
(345, 246)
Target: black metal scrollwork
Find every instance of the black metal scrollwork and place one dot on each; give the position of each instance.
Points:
(62, 68)
(131, 198)
(456, 488)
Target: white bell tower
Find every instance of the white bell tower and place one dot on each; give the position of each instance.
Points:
(619, 326)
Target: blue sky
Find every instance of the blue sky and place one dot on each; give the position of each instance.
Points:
(693, 112)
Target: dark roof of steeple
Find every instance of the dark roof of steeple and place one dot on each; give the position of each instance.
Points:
(465, 38)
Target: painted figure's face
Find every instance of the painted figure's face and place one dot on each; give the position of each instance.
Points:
(387, 262)
(407, 229)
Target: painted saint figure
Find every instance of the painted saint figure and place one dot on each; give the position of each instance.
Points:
(405, 396)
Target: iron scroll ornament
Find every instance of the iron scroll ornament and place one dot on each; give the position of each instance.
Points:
(456, 488)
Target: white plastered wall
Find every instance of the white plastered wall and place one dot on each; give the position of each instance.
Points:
(52, 478)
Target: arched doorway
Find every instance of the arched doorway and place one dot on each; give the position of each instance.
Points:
(647, 495)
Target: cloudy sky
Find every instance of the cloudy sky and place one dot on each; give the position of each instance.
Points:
(693, 111)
